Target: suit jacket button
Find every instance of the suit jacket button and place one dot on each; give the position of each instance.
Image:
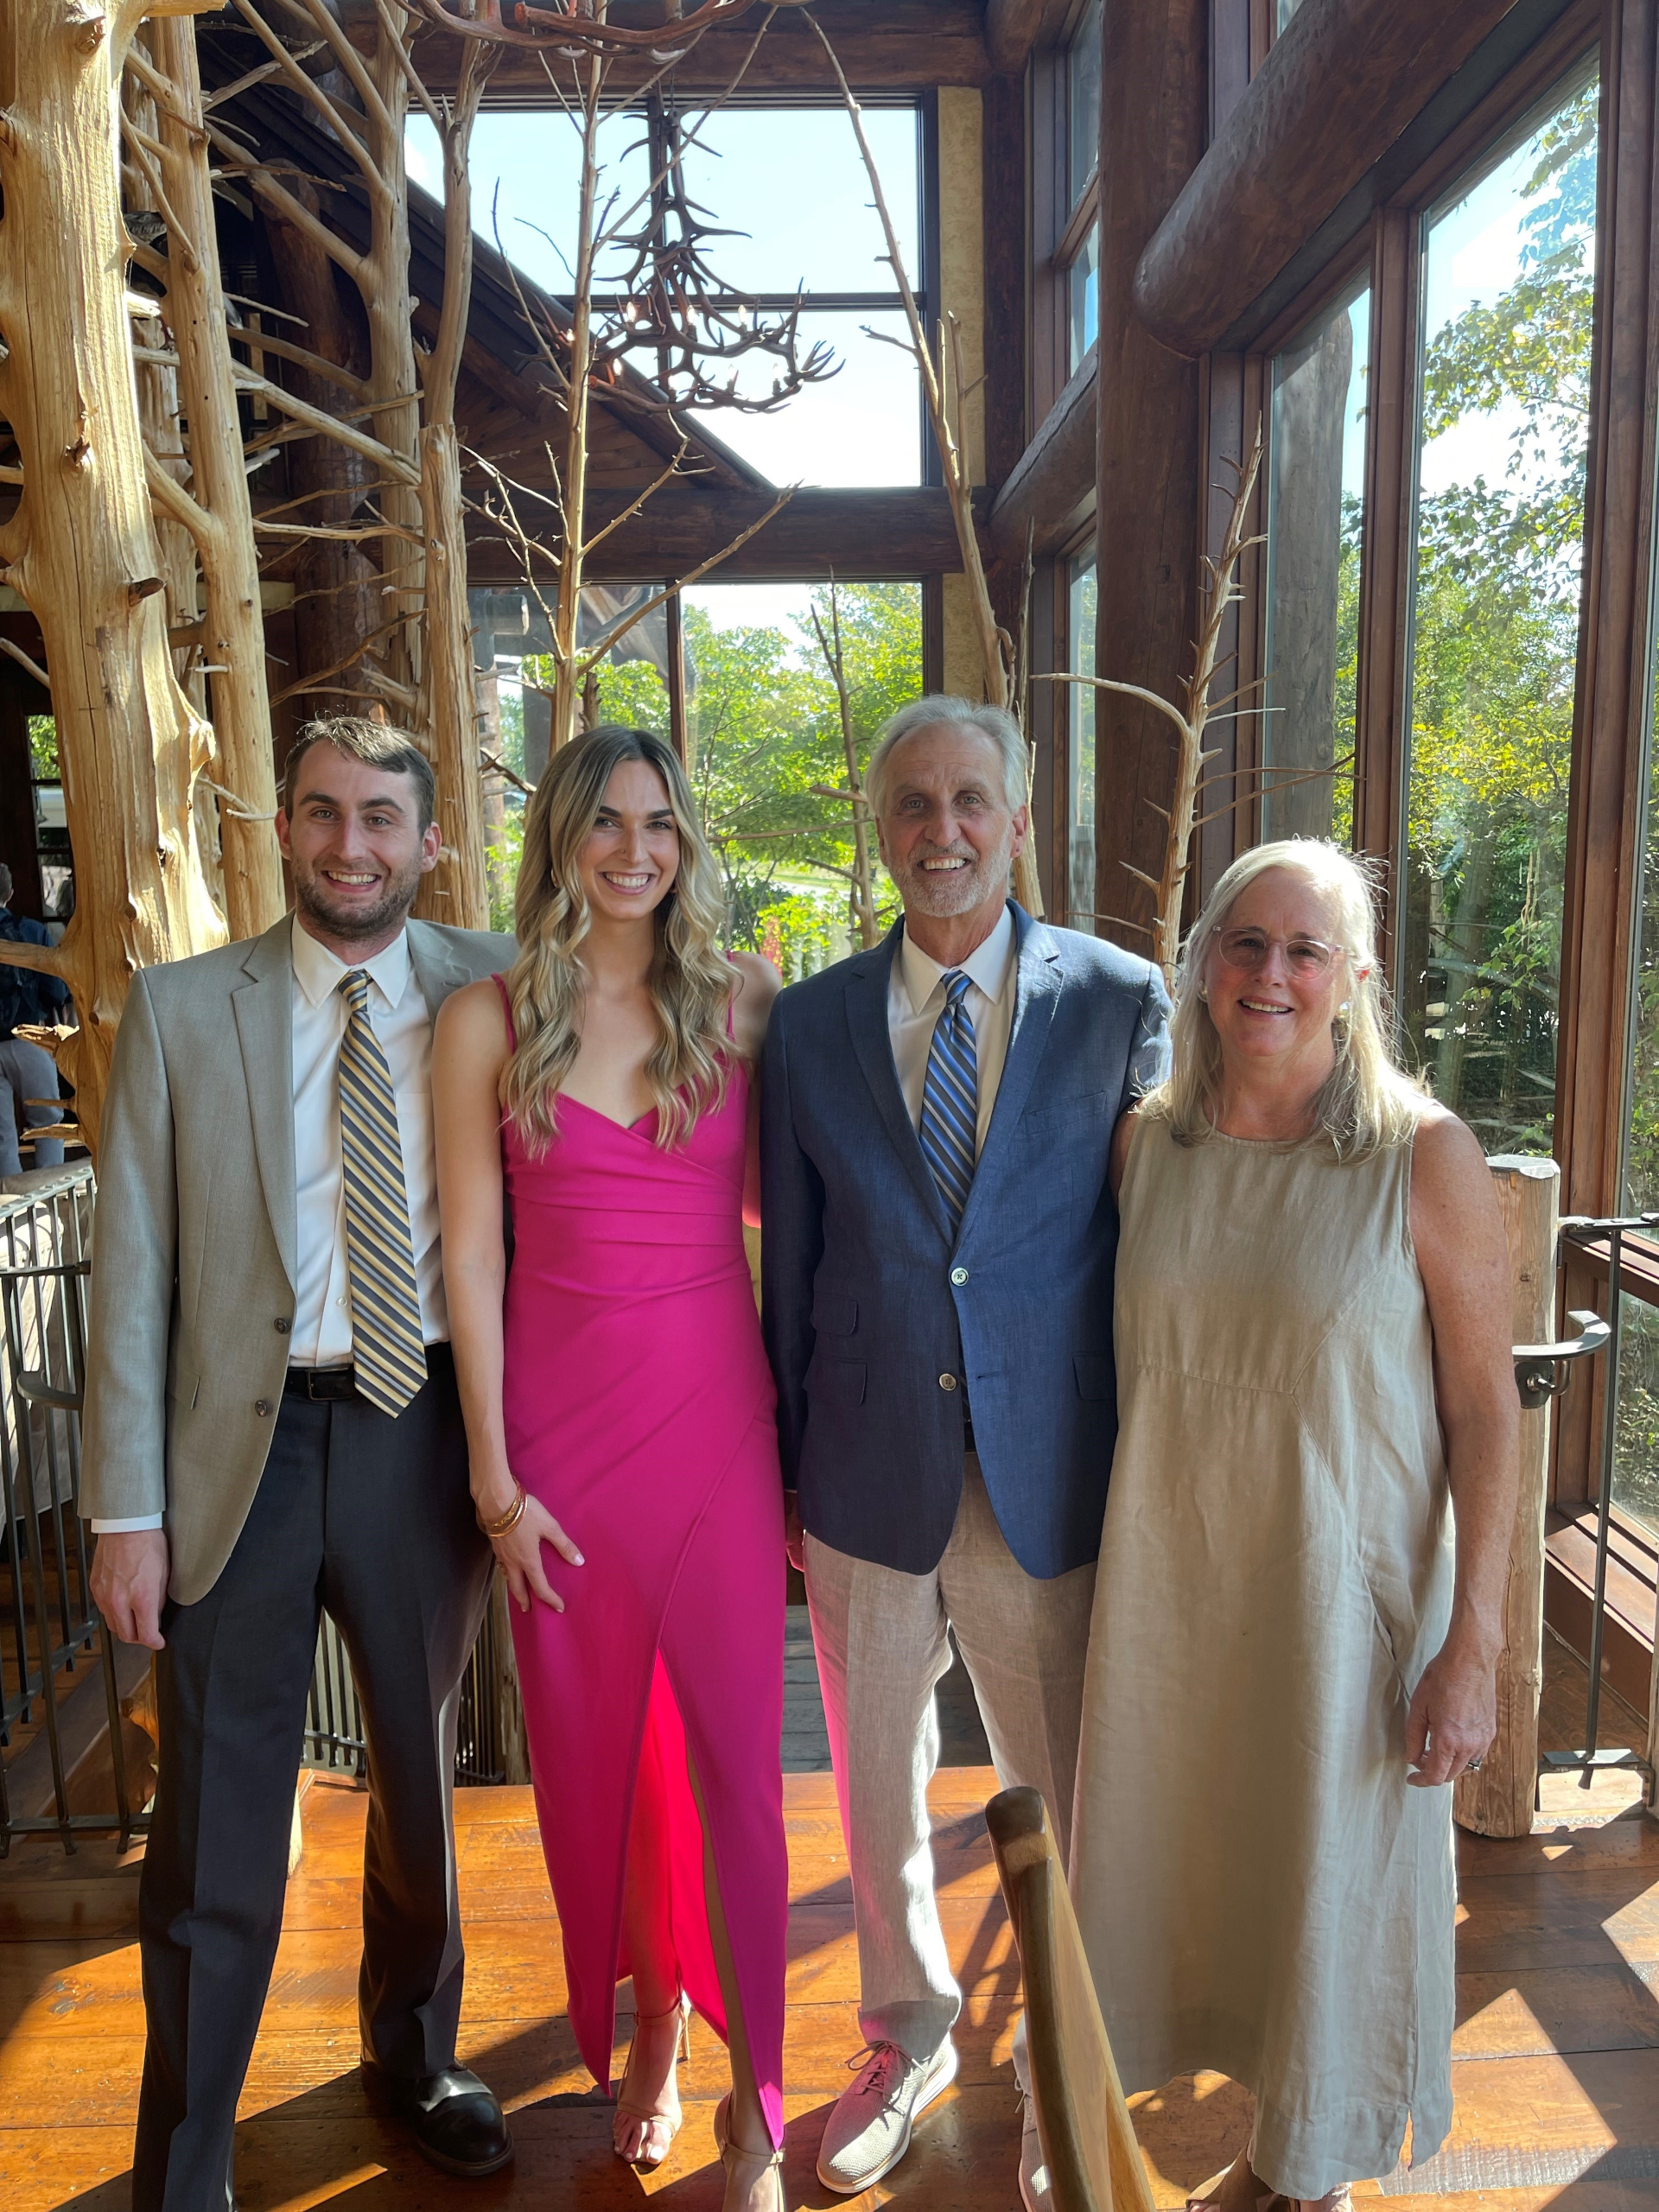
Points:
(261, 1405)
(958, 1275)
(282, 1325)
(947, 1381)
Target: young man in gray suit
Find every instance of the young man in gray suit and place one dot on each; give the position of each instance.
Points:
(272, 1426)
(937, 1117)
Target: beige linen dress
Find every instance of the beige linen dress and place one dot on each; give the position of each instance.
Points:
(1259, 1891)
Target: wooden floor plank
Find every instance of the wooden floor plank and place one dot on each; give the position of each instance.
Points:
(1556, 2066)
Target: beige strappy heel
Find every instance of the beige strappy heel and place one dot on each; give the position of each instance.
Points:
(752, 2163)
(663, 2115)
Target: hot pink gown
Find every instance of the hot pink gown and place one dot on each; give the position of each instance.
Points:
(639, 1410)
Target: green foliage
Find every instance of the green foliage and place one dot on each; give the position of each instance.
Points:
(766, 747)
(1495, 637)
(43, 748)
(502, 855)
(766, 757)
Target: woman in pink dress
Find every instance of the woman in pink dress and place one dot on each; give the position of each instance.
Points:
(619, 1420)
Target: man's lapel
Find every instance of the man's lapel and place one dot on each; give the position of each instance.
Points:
(436, 969)
(1037, 991)
(868, 978)
(264, 1007)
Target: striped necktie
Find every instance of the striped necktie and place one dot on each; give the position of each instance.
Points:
(950, 1098)
(387, 1347)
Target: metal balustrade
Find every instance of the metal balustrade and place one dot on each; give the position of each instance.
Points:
(49, 1628)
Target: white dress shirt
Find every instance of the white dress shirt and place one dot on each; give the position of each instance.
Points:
(399, 1018)
(321, 1335)
(916, 1000)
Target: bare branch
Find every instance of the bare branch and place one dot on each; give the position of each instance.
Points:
(634, 505)
(251, 77)
(289, 210)
(25, 661)
(351, 535)
(625, 622)
(1107, 684)
(317, 679)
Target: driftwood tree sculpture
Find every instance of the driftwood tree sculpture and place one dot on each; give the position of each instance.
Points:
(450, 694)
(938, 363)
(416, 658)
(215, 510)
(1220, 593)
(80, 546)
(862, 899)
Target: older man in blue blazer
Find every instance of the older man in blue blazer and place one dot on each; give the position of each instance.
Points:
(936, 1120)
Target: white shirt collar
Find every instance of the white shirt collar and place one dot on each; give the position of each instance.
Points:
(988, 965)
(318, 972)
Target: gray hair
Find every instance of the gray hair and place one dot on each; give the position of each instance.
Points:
(5, 883)
(995, 723)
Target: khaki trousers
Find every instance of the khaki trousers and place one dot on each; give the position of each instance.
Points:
(883, 1650)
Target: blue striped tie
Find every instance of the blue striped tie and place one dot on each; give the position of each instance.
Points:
(950, 1098)
(387, 1349)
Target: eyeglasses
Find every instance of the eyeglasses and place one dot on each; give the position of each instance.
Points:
(1247, 950)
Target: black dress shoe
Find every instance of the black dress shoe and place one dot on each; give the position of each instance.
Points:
(456, 2122)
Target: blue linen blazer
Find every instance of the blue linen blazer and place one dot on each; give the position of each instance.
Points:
(868, 1302)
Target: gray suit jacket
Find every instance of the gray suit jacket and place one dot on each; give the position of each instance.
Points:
(194, 1265)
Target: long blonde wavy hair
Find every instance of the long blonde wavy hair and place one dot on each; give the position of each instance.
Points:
(1367, 1103)
(692, 982)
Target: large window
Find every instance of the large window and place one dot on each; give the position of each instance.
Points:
(791, 204)
(1078, 251)
(1503, 417)
(1316, 483)
(1080, 744)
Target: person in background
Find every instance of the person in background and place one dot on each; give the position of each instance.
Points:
(620, 1416)
(1291, 1658)
(28, 1076)
(937, 1264)
(272, 1426)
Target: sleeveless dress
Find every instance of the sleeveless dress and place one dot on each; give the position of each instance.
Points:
(1259, 1891)
(639, 1410)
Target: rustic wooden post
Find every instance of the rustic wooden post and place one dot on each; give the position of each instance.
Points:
(458, 889)
(1498, 1800)
(81, 546)
(216, 510)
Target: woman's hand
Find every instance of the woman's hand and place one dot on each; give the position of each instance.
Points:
(1453, 1716)
(794, 1534)
(520, 1555)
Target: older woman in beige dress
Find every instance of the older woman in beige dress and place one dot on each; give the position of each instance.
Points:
(1292, 1656)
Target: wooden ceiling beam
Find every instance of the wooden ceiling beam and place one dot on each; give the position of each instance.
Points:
(895, 46)
(863, 534)
(1337, 90)
(1013, 27)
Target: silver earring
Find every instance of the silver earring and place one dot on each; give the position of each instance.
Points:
(1343, 1010)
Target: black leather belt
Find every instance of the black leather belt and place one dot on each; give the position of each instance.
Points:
(329, 1384)
(332, 1385)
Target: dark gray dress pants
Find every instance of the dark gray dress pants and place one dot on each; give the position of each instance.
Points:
(370, 1516)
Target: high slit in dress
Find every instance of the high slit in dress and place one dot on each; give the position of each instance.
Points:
(639, 1409)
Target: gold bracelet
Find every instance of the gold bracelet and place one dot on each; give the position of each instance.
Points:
(508, 1521)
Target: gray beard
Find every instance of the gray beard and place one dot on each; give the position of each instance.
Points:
(942, 897)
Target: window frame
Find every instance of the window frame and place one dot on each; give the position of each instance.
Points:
(924, 104)
(1619, 605)
(1060, 221)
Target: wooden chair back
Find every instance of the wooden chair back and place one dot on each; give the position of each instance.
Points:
(1094, 2163)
